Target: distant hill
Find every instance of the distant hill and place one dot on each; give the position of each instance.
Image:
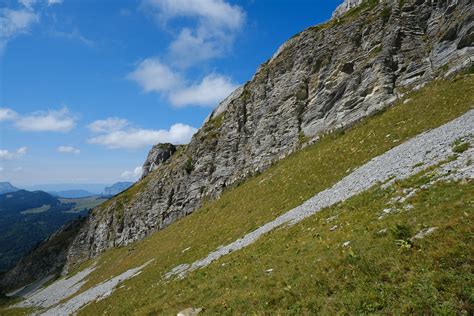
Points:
(6, 187)
(72, 194)
(116, 188)
(27, 218)
(96, 188)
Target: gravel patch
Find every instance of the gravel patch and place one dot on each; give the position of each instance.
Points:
(95, 293)
(407, 159)
(57, 291)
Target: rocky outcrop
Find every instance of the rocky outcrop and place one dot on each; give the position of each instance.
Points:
(158, 154)
(346, 6)
(327, 77)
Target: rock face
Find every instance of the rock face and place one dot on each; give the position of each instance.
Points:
(327, 77)
(157, 155)
(345, 6)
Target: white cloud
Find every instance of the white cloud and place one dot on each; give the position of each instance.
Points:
(108, 125)
(15, 22)
(218, 13)
(209, 92)
(1, 169)
(22, 150)
(152, 75)
(132, 174)
(7, 114)
(53, 2)
(47, 121)
(5, 154)
(133, 138)
(18, 169)
(68, 150)
(212, 36)
(192, 47)
(27, 3)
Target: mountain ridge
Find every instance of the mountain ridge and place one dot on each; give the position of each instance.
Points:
(7, 187)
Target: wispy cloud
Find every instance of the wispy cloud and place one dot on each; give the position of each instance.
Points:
(68, 150)
(7, 114)
(5, 154)
(74, 36)
(134, 138)
(47, 121)
(53, 2)
(132, 174)
(15, 22)
(108, 125)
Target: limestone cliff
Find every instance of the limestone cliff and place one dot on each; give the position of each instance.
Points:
(324, 78)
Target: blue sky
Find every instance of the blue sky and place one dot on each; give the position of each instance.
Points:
(87, 86)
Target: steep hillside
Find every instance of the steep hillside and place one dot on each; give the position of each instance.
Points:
(326, 78)
(316, 82)
(405, 241)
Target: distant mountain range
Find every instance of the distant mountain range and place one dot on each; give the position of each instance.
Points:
(95, 188)
(26, 218)
(6, 187)
(72, 194)
(116, 188)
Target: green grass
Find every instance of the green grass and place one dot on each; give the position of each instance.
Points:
(37, 210)
(83, 203)
(242, 284)
(460, 146)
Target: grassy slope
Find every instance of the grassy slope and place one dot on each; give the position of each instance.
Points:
(261, 199)
(82, 204)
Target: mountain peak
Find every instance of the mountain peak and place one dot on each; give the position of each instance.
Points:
(7, 187)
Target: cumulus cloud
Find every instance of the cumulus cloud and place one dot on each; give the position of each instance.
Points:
(214, 24)
(68, 150)
(108, 125)
(7, 114)
(218, 13)
(127, 137)
(47, 121)
(210, 91)
(132, 174)
(15, 22)
(152, 75)
(213, 34)
(5, 154)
